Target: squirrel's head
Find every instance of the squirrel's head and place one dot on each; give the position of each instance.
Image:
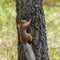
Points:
(24, 23)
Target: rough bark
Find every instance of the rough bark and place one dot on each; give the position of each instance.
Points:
(33, 9)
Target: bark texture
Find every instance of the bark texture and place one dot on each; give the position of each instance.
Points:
(33, 9)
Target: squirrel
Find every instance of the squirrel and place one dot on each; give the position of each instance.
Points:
(24, 36)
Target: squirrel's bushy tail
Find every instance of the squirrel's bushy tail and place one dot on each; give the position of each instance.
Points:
(29, 51)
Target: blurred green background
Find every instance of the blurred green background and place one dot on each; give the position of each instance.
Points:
(8, 31)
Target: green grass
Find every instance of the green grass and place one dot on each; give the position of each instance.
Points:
(53, 31)
(8, 32)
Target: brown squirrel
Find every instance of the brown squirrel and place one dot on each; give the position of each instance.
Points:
(24, 36)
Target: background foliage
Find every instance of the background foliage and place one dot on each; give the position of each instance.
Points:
(8, 32)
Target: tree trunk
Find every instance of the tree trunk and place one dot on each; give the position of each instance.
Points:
(33, 9)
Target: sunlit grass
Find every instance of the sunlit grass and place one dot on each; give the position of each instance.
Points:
(8, 32)
(52, 17)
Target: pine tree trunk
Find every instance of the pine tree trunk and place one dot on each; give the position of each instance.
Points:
(33, 9)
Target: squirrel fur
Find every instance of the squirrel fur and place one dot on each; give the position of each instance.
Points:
(24, 36)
